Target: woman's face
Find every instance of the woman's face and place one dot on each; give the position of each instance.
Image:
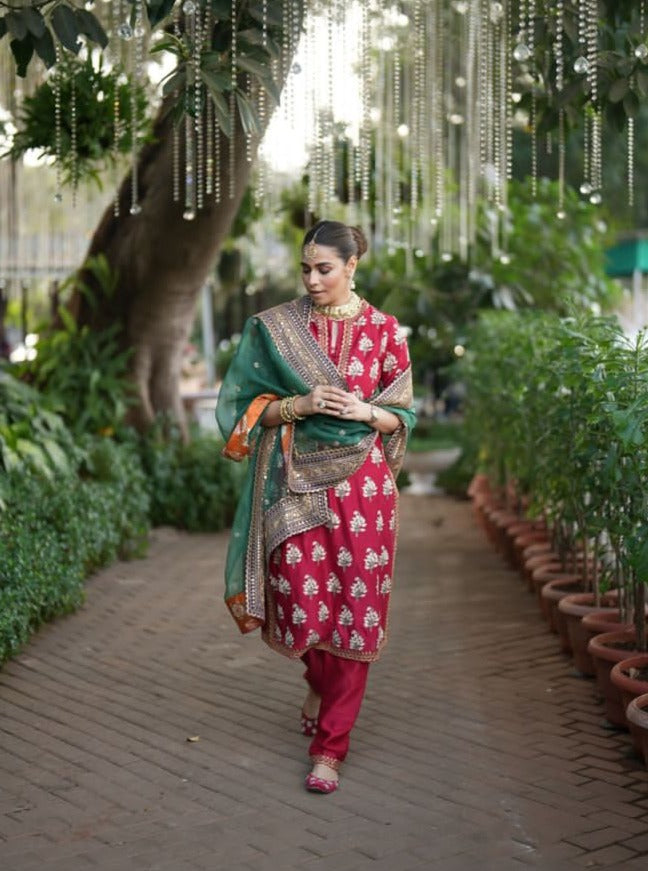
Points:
(326, 276)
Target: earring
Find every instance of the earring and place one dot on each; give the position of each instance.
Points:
(353, 284)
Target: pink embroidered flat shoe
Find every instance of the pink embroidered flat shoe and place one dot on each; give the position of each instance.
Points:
(308, 725)
(319, 784)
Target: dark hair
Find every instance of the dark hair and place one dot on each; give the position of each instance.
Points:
(347, 241)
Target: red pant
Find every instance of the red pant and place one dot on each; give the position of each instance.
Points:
(341, 685)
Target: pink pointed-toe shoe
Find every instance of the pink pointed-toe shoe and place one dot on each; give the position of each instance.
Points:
(308, 725)
(320, 784)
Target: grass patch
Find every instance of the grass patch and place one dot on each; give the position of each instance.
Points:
(435, 435)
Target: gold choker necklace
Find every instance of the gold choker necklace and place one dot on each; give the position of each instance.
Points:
(340, 312)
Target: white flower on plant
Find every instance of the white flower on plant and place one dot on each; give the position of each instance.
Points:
(357, 523)
(380, 522)
(298, 615)
(356, 641)
(371, 560)
(337, 640)
(289, 639)
(355, 368)
(318, 553)
(344, 558)
(371, 618)
(333, 584)
(312, 637)
(563, 391)
(345, 617)
(358, 588)
(310, 586)
(376, 455)
(388, 486)
(384, 556)
(293, 554)
(385, 587)
(343, 489)
(369, 488)
(375, 370)
(323, 612)
(365, 343)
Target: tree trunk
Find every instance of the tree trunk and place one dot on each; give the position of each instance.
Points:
(161, 261)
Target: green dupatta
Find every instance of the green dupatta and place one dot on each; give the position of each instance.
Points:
(291, 466)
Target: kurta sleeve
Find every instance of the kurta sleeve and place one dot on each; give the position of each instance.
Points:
(395, 357)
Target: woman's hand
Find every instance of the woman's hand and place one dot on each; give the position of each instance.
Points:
(325, 399)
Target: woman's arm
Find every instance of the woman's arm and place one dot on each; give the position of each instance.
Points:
(337, 403)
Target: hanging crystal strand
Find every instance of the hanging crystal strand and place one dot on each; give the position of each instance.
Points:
(592, 74)
(462, 139)
(389, 151)
(330, 140)
(217, 161)
(449, 150)
(439, 121)
(559, 50)
(58, 151)
(248, 133)
(199, 34)
(74, 154)
(192, 26)
(580, 64)
(483, 88)
(175, 140)
(381, 230)
(534, 100)
(232, 107)
(472, 120)
(115, 15)
(502, 122)
(586, 187)
(521, 52)
(365, 133)
(259, 191)
(137, 54)
(312, 115)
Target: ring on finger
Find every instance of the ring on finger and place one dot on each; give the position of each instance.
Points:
(321, 404)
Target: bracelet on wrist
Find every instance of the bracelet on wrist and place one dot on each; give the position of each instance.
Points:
(287, 410)
(373, 413)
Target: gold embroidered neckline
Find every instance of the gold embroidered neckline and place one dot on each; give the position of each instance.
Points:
(340, 312)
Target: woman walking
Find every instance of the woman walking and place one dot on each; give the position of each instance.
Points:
(319, 397)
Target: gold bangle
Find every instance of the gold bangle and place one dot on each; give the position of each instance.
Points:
(284, 410)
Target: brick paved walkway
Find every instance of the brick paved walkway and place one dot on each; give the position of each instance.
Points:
(476, 748)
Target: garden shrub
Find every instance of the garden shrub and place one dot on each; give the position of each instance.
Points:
(191, 485)
(56, 530)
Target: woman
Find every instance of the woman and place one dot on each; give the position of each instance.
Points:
(319, 397)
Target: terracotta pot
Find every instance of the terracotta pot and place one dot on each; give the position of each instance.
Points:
(630, 687)
(637, 716)
(547, 572)
(552, 592)
(539, 561)
(607, 620)
(573, 608)
(518, 535)
(605, 656)
(536, 548)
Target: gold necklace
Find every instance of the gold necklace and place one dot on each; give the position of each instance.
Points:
(348, 309)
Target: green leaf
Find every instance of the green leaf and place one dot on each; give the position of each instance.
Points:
(249, 118)
(45, 49)
(174, 82)
(618, 90)
(35, 21)
(17, 24)
(3, 26)
(91, 27)
(68, 321)
(66, 27)
(252, 66)
(57, 455)
(157, 10)
(22, 50)
(221, 107)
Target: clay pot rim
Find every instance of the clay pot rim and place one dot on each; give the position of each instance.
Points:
(597, 645)
(618, 673)
(569, 604)
(549, 591)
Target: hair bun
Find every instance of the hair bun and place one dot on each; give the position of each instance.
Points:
(360, 239)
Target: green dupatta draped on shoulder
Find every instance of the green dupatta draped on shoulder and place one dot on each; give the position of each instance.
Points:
(290, 466)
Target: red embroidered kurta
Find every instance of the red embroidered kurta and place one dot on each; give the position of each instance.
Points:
(329, 587)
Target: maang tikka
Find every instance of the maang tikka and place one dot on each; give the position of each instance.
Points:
(310, 250)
